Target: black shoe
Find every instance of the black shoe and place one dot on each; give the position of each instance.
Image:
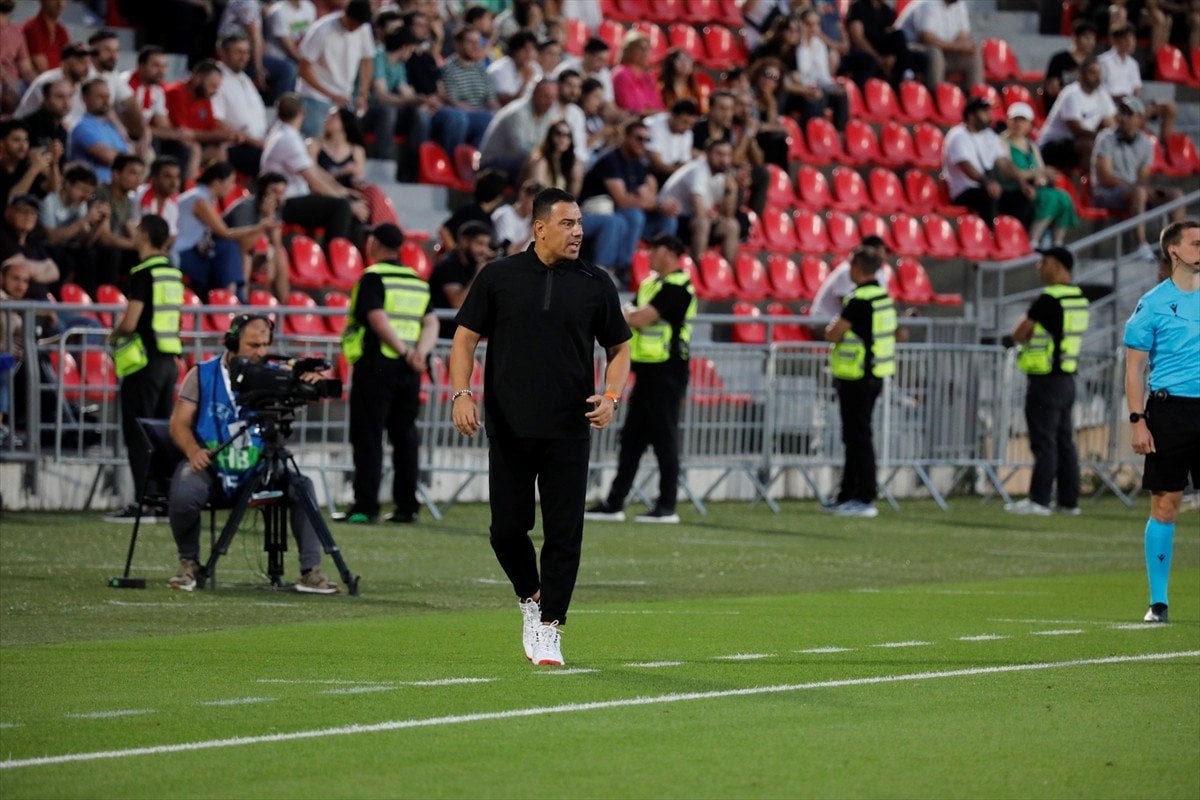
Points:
(401, 519)
(659, 514)
(603, 512)
(1156, 613)
(129, 515)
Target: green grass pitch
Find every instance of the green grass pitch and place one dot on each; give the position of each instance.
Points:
(739, 654)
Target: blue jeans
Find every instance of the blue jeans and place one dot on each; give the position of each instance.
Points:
(607, 235)
(219, 269)
(315, 111)
(281, 76)
(640, 225)
(453, 126)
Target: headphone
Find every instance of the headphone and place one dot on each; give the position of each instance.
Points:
(233, 337)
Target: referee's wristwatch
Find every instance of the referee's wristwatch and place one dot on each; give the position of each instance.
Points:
(616, 399)
(1135, 417)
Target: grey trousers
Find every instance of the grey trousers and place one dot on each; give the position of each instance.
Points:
(191, 490)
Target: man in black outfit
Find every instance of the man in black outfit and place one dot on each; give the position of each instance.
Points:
(662, 332)
(542, 310)
(870, 25)
(390, 332)
(453, 273)
(863, 354)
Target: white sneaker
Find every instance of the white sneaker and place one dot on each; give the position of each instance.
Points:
(1145, 252)
(1070, 511)
(1028, 508)
(531, 618)
(547, 645)
(855, 508)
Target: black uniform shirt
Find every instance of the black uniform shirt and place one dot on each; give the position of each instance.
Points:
(1048, 312)
(541, 324)
(141, 287)
(671, 302)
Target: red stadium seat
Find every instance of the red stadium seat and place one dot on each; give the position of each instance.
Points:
(1195, 59)
(189, 318)
(74, 294)
(612, 32)
(717, 281)
(576, 35)
(684, 36)
(1000, 64)
(466, 163)
(824, 144)
(854, 99)
(975, 241)
(658, 42)
(701, 12)
(928, 141)
(414, 256)
(862, 147)
(880, 100)
(335, 324)
(913, 283)
(907, 238)
(1172, 67)
(1011, 239)
(843, 232)
(870, 224)
(921, 191)
(345, 263)
(779, 230)
(98, 376)
(1017, 93)
(68, 374)
(755, 238)
(752, 280)
(624, 10)
(748, 332)
(916, 103)
(1081, 208)
(434, 167)
(787, 284)
(705, 86)
(731, 13)
(811, 233)
(896, 147)
(262, 299)
(779, 187)
(849, 191)
(945, 204)
(640, 268)
(812, 189)
(664, 11)
(797, 149)
(887, 193)
(301, 323)
(307, 268)
(950, 104)
(693, 272)
(1181, 155)
(707, 386)
(939, 237)
(787, 331)
(725, 51)
(107, 294)
(813, 272)
(991, 94)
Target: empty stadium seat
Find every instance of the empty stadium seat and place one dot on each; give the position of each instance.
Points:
(68, 374)
(916, 103)
(849, 191)
(871, 224)
(753, 283)
(887, 193)
(779, 187)
(701, 12)
(940, 241)
(576, 35)
(950, 104)
(913, 283)
(787, 284)
(812, 189)
(861, 145)
(813, 272)
(854, 99)
(717, 281)
(896, 147)
(928, 141)
(107, 294)
(658, 42)
(787, 331)
(624, 10)
(975, 242)
(299, 322)
(1182, 158)
(779, 230)
(1000, 64)
(880, 101)
(723, 49)
(811, 233)
(434, 167)
(189, 317)
(1171, 66)
(219, 322)
(684, 36)
(466, 163)
(907, 237)
(842, 231)
(921, 191)
(797, 149)
(74, 294)
(307, 268)
(748, 332)
(336, 324)
(824, 144)
(755, 238)
(262, 299)
(414, 256)
(612, 32)
(640, 268)
(345, 263)
(1011, 239)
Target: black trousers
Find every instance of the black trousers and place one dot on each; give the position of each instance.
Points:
(559, 469)
(652, 421)
(146, 393)
(1048, 402)
(384, 395)
(856, 399)
(321, 211)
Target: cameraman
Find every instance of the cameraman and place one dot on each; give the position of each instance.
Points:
(205, 417)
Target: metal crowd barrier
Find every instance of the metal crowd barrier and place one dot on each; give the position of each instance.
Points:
(754, 412)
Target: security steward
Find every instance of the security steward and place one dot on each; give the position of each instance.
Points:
(1050, 335)
(661, 319)
(390, 331)
(145, 342)
(863, 354)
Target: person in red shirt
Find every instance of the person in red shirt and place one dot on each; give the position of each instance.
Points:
(189, 107)
(46, 36)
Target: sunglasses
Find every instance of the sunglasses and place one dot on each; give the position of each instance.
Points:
(771, 76)
(643, 139)
(562, 133)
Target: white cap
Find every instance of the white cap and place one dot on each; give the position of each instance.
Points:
(1020, 111)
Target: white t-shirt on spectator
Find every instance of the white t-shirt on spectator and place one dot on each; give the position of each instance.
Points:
(1119, 76)
(507, 80)
(239, 104)
(145, 202)
(945, 21)
(694, 178)
(671, 147)
(812, 62)
(284, 19)
(829, 300)
(118, 87)
(509, 226)
(336, 55)
(604, 75)
(32, 100)
(586, 11)
(284, 152)
(980, 149)
(150, 98)
(1073, 104)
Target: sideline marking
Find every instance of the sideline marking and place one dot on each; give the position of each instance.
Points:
(653, 664)
(568, 671)
(1138, 626)
(6, 725)
(568, 708)
(902, 644)
(360, 689)
(983, 637)
(238, 701)
(374, 686)
(124, 712)
(816, 650)
(744, 657)
(1059, 632)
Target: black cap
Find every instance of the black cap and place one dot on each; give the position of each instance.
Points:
(76, 50)
(976, 104)
(25, 200)
(359, 10)
(1060, 254)
(874, 241)
(672, 243)
(388, 235)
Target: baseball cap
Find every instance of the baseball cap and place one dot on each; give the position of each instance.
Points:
(76, 50)
(672, 243)
(388, 235)
(1060, 254)
(25, 200)
(1020, 111)
(976, 104)
(359, 10)
(1134, 104)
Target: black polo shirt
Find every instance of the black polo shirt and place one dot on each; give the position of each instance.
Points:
(541, 323)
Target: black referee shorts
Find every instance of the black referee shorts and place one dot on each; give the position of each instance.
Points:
(1174, 422)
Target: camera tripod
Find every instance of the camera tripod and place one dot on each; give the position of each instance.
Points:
(268, 486)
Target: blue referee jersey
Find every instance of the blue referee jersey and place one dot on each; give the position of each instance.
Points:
(1166, 324)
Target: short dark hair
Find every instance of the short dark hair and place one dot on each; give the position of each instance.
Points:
(866, 260)
(474, 13)
(633, 125)
(78, 173)
(92, 82)
(48, 86)
(1123, 30)
(472, 228)
(590, 85)
(567, 74)
(264, 181)
(1173, 235)
(205, 67)
(147, 52)
(232, 39)
(720, 93)
(519, 39)
(102, 35)
(9, 125)
(546, 199)
(288, 106)
(156, 229)
(162, 162)
(489, 184)
(1083, 26)
(398, 39)
(547, 43)
(685, 107)
(123, 160)
(595, 45)
(217, 171)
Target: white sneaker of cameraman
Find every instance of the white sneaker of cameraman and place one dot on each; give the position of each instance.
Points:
(547, 647)
(531, 618)
(1028, 508)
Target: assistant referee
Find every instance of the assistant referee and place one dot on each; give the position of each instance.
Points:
(1164, 332)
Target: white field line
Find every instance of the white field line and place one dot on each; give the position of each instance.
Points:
(982, 637)
(572, 708)
(7, 725)
(818, 650)
(902, 644)
(648, 612)
(1138, 626)
(376, 685)
(122, 712)
(569, 671)
(744, 657)
(1059, 632)
(653, 664)
(359, 689)
(1045, 621)
(238, 701)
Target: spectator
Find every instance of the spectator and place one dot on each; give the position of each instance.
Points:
(96, 141)
(1121, 77)
(209, 252)
(75, 68)
(1065, 65)
(705, 190)
(117, 249)
(150, 98)
(942, 30)
(285, 25)
(517, 129)
(46, 125)
(46, 36)
(876, 47)
(516, 73)
(392, 93)
(1052, 208)
(763, 105)
(810, 88)
(271, 74)
(513, 224)
(239, 106)
(831, 295)
(833, 34)
(603, 130)
(671, 138)
(570, 92)
(467, 94)
(480, 19)
(424, 75)
(595, 66)
(550, 57)
(160, 195)
(18, 246)
(634, 86)
(520, 15)
(620, 201)
(24, 171)
(72, 228)
(781, 39)
(190, 108)
(974, 162)
(553, 162)
(453, 273)
(1083, 108)
(1121, 162)
(759, 17)
(588, 12)
(15, 66)
(720, 125)
(488, 196)
(313, 198)
(335, 48)
(106, 51)
(270, 267)
(677, 80)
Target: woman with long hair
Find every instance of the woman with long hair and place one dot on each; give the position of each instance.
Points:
(677, 81)
(341, 150)
(553, 163)
(766, 75)
(635, 88)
